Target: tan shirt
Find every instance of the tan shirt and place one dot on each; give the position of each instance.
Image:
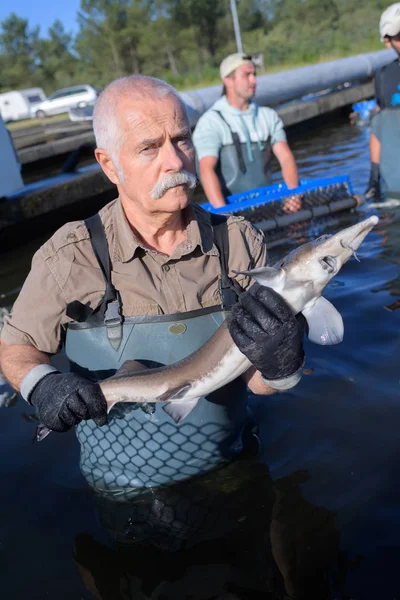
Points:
(65, 269)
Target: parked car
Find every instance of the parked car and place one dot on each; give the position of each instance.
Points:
(19, 104)
(62, 100)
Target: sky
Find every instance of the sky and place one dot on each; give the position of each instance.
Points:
(43, 13)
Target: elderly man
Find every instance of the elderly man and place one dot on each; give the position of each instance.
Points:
(233, 139)
(142, 280)
(385, 134)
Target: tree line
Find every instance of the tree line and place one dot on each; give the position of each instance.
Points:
(181, 41)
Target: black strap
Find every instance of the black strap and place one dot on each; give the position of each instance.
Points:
(380, 97)
(111, 303)
(109, 307)
(99, 243)
(229, 288)
(236, 142)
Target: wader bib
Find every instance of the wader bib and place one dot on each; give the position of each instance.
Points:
(141, 446)
(236, 172)
(387, 124)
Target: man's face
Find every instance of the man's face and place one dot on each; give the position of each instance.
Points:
(244, 82)
(393, 42)
(156, 143)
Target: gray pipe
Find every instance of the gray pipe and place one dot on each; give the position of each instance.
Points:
(279, 88)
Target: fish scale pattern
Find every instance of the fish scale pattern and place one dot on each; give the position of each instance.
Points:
(131, 454)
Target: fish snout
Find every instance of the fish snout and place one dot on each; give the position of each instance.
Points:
(352, 237)
(342, 245)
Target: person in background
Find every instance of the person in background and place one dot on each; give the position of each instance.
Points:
(234, 138)
(385, 134)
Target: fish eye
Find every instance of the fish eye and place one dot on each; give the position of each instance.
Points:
(322, 238)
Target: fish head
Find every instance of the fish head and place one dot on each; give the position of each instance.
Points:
(301, 276)
(320, 260)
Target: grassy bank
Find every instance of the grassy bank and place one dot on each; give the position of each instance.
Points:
(32, 122)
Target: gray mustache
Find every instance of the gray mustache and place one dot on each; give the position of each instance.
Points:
(172, 180)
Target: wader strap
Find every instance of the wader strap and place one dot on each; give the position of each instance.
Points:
(229, 289)
(236, 143)
(110, 301)
(381, 95)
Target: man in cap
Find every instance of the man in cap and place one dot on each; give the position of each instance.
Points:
(385, 136)
(233, 139)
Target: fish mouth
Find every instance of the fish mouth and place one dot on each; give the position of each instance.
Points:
(328, 263)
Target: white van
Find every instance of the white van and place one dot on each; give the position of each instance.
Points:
(18, 104)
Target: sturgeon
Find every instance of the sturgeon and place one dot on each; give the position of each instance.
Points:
(299, 278)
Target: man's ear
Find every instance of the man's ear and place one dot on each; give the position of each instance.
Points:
(228, 83)
(387, 43)
(106, 162)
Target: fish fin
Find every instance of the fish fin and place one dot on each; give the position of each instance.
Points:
(174, 393)
(41, 432)
(129, 367)
(267, 276)
(179, 410)
(325, 324)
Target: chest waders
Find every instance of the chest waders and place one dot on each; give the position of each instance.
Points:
(141, 446)
(389, 125)
(236, 172)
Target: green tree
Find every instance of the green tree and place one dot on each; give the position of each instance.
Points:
(57, 66)
(182, 41)
(201, 16)
(17, 44)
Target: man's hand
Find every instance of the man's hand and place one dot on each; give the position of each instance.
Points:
(265, 330)
(373, 188)
(63, 400)
(292, 204)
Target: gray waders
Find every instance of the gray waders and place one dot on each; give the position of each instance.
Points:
(141, 446)
(236, 172)
(386, 126)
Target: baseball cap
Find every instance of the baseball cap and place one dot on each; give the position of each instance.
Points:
(390, 21)
(233, 61)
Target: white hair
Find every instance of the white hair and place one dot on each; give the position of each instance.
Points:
(105, 116)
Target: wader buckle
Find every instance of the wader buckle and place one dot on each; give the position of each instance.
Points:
(229, 296)
(113, 323)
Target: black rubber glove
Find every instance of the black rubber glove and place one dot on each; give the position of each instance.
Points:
(266, 331)
(63, 400)
(373, 189)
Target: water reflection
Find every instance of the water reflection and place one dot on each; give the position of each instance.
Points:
(233, 533)
(389, 230)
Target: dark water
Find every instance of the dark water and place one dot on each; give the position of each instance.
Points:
(319, 518)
